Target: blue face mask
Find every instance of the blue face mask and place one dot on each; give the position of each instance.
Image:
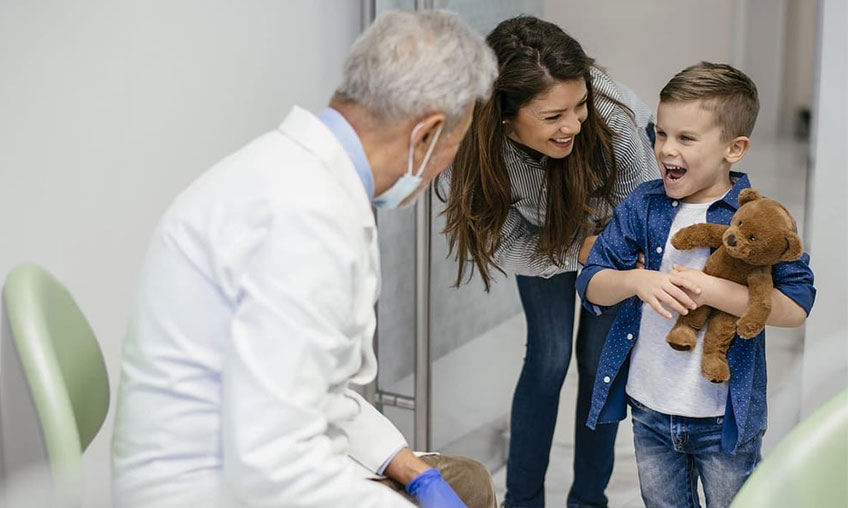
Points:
(408, 183)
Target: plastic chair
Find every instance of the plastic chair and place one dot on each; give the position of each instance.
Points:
(54, 390)
(808, 468)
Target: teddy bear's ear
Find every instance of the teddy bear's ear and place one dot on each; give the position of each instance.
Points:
(794, 249)
(748, 195)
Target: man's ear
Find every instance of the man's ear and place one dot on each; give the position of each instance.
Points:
(736, 149)
(429, 124)
(794, 249)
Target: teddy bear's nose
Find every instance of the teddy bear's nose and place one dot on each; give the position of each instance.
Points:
(731, 240)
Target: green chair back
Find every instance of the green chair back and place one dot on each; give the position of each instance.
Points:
(61, 362)
(808, 468)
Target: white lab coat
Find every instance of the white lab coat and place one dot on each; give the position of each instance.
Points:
(255, 311)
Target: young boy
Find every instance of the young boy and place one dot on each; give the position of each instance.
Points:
(684, 426)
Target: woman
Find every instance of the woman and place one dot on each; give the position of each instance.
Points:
(546, 160)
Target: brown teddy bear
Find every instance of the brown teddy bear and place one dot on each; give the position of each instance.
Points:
(761, 233)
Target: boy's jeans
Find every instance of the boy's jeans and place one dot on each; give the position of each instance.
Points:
(672, 452)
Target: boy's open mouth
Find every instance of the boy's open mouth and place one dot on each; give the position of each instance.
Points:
(674, 173)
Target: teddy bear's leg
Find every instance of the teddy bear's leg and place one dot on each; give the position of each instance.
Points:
(685, 332)
(717, 339)
(753, 321)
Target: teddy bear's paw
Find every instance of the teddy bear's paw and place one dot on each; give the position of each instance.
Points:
(715, 368)
(681, 338)
(682, 241)
(748, 328)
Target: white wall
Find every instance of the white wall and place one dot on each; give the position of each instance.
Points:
(825, 368)
(762, 41)
(643, 44)
(108, 109)
(799, 68)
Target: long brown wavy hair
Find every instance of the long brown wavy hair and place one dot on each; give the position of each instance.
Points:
(533, 55)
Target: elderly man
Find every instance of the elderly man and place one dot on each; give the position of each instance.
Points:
(255, 307)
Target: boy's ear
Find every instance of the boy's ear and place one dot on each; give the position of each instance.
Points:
(736, 149)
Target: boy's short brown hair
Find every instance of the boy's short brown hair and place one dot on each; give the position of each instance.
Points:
(722, 89)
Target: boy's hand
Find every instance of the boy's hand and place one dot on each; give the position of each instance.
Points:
(706, 283)
(660, 288)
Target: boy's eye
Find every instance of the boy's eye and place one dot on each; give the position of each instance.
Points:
(686, 138)
(660, 134)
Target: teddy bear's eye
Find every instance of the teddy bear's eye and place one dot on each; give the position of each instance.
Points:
(752, 238)
(740, 223)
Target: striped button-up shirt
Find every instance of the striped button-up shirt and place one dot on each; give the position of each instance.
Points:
(634, 156)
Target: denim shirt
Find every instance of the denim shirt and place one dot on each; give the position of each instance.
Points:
(641, 224)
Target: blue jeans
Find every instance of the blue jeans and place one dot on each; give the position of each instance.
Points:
(549, 310)
(672, 452)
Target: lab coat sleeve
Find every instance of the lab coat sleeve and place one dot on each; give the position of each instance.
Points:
(285, 379)
(373, 438)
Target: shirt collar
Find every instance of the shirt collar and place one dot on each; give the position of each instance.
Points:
(739, 180)
(349, 140)
(517, 152)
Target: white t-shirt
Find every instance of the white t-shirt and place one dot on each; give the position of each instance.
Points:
(660, 377)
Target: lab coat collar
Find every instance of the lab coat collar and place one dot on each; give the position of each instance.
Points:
(308, 131)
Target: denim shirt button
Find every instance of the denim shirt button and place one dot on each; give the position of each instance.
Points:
(674, 203)
(659, 250)
(629, 336)
(606, 379)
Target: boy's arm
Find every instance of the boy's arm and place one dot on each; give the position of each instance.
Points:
(608, 276)
(791, 299)
(657, 289)
(616, 248)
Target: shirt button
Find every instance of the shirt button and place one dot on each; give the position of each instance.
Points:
(659, 250)
(606, 379)
(629, 336)
(674, 203)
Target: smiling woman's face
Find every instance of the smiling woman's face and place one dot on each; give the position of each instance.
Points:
(549, 121)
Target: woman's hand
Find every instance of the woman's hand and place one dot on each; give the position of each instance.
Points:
(661, 290)
(585, 248)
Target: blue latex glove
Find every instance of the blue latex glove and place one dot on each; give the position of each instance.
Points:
(432, 491)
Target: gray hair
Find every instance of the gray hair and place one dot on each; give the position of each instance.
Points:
(409, 64)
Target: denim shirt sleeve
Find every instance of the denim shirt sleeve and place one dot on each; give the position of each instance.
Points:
(617, 247)
(795, 280)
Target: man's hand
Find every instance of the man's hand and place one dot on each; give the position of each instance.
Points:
(658, 289)
(432, 491)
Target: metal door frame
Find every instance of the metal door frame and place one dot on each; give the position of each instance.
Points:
(421, 403)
